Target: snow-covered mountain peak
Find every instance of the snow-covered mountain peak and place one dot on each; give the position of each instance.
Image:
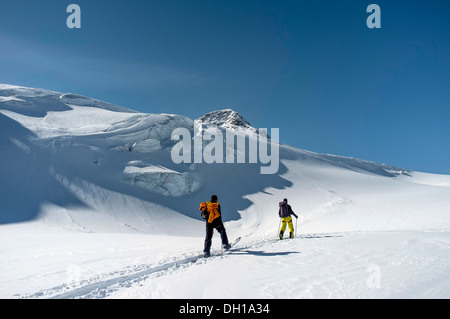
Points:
(227, 118)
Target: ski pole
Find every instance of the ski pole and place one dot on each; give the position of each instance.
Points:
(296, 220)
(278, 229)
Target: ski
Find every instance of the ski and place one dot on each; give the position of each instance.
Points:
(231, 246)
(222, 250)
(235, 242)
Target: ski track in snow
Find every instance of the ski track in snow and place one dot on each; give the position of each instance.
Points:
(102, 286)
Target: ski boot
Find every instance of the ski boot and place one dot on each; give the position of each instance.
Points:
(281, 234)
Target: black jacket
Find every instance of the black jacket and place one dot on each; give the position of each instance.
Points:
(290, 211)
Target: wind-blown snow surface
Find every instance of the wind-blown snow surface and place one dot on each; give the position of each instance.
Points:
(92, 206)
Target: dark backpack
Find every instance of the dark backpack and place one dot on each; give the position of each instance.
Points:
(284, 209)
(203, 208)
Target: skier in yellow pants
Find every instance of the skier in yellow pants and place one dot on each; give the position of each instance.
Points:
(285, 213)
(287, 221)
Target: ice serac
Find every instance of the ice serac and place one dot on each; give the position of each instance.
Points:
(161, 180)
(80, 100)
(145, 133)
(49, 134)
(148, 134)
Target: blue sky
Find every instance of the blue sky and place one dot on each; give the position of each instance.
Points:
(311, 68)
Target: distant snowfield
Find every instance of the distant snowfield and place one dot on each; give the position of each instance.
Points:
(93, 207)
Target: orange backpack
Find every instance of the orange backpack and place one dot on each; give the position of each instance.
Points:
(210, 211)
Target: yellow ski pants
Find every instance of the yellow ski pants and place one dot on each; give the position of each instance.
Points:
(287, 221)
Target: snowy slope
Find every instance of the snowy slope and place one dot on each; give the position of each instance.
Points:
(93, 206)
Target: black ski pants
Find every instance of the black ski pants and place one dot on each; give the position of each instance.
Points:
(218, 225)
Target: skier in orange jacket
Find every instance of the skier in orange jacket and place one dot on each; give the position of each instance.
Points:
(212, 214)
